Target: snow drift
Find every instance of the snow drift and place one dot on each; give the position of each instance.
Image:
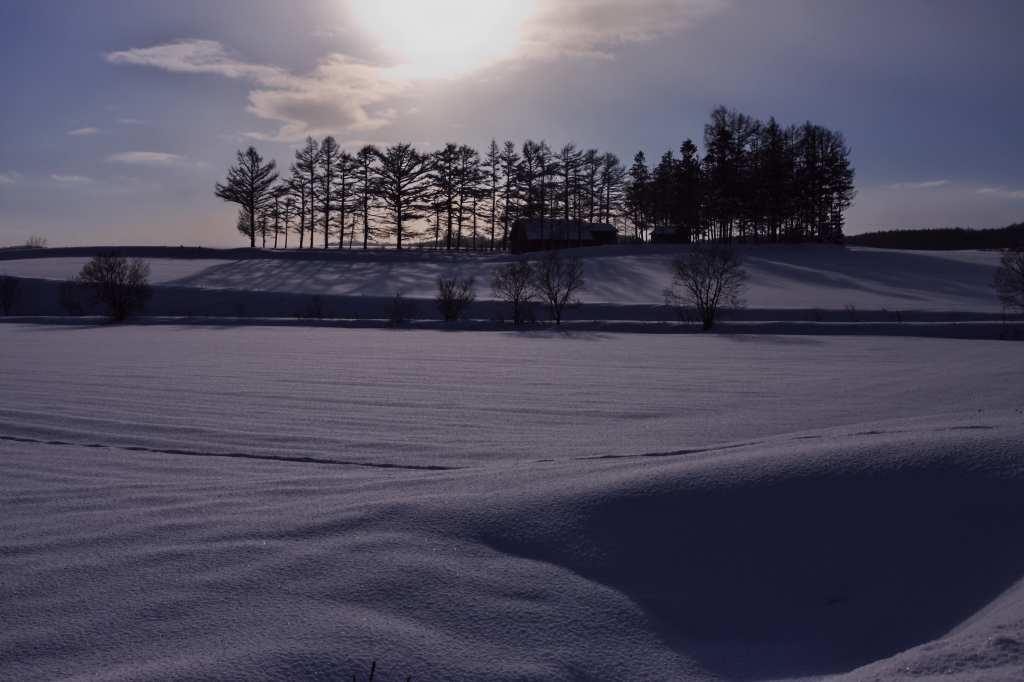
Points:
(275, 503)
(789, 558)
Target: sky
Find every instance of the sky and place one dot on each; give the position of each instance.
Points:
(119, 116)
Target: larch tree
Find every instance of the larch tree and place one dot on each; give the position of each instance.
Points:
(304, 176)
(638, 196)
(467, 178)
(401, 186)
(567, 166)
(250, 184)
(366, 188)
(510, 191)
(345, 171)
(444, 168)
(492, 171)
(327, 185)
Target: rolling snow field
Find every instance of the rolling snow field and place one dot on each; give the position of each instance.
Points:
(260, 500)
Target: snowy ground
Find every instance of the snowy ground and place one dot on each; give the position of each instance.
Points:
(787, 283)
(271, 503)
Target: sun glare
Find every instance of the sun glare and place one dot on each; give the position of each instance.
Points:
(443, 38)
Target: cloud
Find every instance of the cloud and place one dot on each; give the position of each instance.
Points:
(594, 28)
(156, 158)
(84, 131)
(1002, 192)
(9, 178)
(74, 179)
(195, 56)
(928, 184)
(332, 98)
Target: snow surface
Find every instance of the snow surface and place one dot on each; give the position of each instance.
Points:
(624, 282)
(271, 503)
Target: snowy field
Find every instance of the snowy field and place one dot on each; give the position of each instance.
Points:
(291, 503)
(787, 283)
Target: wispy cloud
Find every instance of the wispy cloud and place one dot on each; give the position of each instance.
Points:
(339, 94)
(928, 184)
(594, 28)
(332, 98)
(1002, 192)
(9, 178)
(73, 179)
(84, 131)
(155, 158)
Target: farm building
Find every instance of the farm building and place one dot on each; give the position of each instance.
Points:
(545, 235)
(670, 234)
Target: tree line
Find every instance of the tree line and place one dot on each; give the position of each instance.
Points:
(943, 238)
(757, 182)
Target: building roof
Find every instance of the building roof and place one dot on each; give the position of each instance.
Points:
(559, 229)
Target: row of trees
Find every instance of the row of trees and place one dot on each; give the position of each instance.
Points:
(756, 182)
(453, 198)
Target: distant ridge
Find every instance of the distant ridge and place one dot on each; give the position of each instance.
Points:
(942, 239)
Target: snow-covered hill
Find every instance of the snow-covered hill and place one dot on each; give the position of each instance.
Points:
(624, 282)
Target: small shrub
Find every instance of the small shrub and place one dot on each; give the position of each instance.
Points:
(398, 312)
(454, 295)
(316, 307)
(817, 314)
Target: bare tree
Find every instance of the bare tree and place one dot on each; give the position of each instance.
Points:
(558, 282)
(35, 243)
(454, 295)
(1009, 278)
(513, 283)
(709, 278)
(250, 185)
(119, 284)
(10, 292)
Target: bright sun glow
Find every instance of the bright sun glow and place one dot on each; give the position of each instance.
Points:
(442, 38)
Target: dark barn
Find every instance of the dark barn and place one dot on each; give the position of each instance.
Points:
(670, 234)
(546, 235)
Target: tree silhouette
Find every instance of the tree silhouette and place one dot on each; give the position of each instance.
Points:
(304, 180)
(120, 284)
(250, 185)
(366, 187)
(558, 282)
(1009, 278)
(708, 278)
(401, 186)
